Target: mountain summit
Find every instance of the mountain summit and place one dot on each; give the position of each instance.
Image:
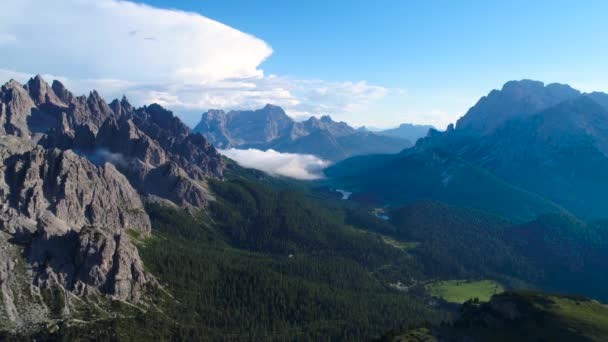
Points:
(516, 99)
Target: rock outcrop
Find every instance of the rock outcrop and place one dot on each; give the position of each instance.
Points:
(15, 109)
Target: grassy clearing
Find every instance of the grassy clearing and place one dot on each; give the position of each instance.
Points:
(459, 291)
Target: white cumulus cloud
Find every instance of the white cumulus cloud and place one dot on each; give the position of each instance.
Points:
(293, 165)
(123, 40)
(181, 60)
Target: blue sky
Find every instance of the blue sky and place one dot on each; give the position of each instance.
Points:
(444, 54)
(400, 61)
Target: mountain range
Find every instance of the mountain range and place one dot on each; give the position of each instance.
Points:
(271, 128)
(547, 141)
(120, 223)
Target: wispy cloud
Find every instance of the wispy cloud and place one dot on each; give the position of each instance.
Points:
(293, 165)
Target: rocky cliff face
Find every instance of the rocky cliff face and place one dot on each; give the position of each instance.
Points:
(73, 173)
(149, 145)
(63, 228)
(247, 127)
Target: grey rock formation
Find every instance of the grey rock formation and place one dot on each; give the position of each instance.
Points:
(73, 171)
(42, 93)
(15, 108)
(65, 220)
(160, 156)
(251, 127)
(136, 141)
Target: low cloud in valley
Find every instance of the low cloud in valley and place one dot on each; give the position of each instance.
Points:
(293, 165)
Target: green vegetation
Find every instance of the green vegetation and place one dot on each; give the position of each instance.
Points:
(555, 252)
(532, 316)
(519, 316)
(413, 175)
(263, 265)
(460, 291)
(572, 255)
(265, 262)
(457, 243)
(271, 264)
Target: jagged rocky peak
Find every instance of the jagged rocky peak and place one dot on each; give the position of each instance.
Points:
(41, 92)
(164, 119)
(16, 105)
(326, 118)
(515, 99)
(274, 111)
(136, 141)
(62, 92)
(64, 228)
(326, 123)
(99, 109)
(151, 139)
(122, 107)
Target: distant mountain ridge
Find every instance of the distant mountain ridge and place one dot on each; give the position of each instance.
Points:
(271, 128)
(549, 140)
(407, 131)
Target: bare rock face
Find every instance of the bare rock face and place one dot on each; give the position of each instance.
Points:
(169, 163)
(141, 143)
(68, 186)
(15, 107)
(42, 93)
(71, 218)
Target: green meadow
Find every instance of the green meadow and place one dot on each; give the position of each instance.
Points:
(459, 291)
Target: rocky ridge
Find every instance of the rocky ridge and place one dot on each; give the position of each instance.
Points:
(271, 128)
(73, 173)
